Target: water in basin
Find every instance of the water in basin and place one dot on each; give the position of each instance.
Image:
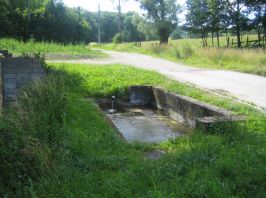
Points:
(146, 125)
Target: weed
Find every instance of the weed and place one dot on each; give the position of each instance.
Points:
(187, 51)
(52, 50)
(95, 161)
(32, 134)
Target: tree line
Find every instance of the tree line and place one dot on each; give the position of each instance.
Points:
(234, 16)
(51, 20)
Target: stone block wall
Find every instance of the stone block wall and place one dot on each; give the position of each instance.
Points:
(17, 72)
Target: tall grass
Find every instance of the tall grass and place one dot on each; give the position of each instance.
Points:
(191, 52)
(32, 135)
(69, 150)
(228, 164)
(53, 50)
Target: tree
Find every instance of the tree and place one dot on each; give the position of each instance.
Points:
(147, 28)
(163, 13)
(120, 17)
(198, 18)
(217, 17)
(51, 20)
(238, 15)
(4, 12)
(258, 8)
(130, 28)
(178, 33)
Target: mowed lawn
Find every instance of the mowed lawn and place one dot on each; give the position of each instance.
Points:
(94, 161)
(191, 52)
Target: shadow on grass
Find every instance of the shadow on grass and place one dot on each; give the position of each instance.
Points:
(91, 159)
(227, 162)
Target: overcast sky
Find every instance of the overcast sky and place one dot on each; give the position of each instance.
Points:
(107, 5)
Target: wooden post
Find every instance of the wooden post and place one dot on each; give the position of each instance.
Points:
(228, 41)
(247, 42)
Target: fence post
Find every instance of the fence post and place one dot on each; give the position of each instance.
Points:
(247, 42)
(228, 41)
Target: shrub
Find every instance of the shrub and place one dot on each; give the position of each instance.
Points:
(187, 51)
(40, 109)
(176, 53)
(117, 38)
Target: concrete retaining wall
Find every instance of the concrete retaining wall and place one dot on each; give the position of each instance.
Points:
(185, 110)
(17, 72)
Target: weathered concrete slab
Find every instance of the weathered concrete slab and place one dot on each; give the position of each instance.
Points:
(185, 110)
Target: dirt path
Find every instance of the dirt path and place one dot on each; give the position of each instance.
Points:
(246, 87)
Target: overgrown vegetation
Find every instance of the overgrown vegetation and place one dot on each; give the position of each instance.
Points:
(32, 135)
(189, 51)
(51, 50)
(52, 21)
(70, 150)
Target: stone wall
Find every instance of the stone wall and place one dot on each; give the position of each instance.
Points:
(17, 72)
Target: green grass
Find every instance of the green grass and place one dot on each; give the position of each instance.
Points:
(191, 52)
(52, 50)
(91, 160)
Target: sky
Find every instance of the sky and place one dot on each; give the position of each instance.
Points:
(107, 5)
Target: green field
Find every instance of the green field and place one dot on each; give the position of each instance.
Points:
(51, 50)
(187, 51)
(191, 52)
(67, 148)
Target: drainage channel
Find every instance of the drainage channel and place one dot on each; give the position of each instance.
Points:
(150, 114)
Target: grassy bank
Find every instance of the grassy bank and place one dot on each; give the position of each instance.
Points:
(191, 52)
(82, 156)
(52, 50)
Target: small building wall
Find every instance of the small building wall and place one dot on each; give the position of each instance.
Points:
(17, 72)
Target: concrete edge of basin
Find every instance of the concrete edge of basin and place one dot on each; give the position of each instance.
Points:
(186, 110)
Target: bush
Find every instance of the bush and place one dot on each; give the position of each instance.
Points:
(187, 51)
(40, 109)
(117, 38)
(176, 53)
